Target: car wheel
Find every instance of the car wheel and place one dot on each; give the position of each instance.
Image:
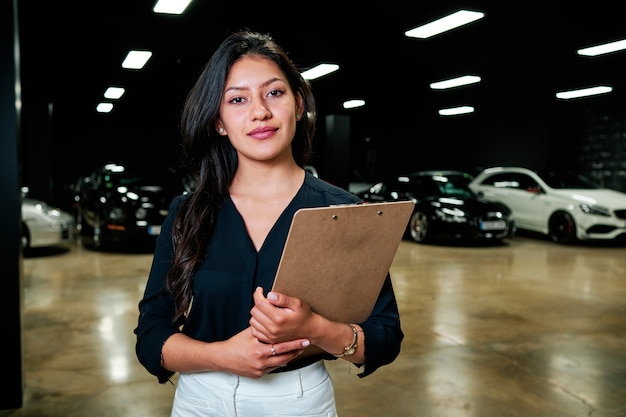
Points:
(418, 227)
(562, 228)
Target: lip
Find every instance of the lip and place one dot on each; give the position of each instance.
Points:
(262, 132)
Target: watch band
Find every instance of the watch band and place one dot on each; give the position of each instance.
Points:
(351, 348)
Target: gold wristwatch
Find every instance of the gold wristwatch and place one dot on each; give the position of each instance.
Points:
(351, 348)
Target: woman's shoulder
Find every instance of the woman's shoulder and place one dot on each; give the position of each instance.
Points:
(177, 202)
(328, 193)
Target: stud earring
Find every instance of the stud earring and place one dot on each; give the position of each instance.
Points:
(297, 116)
(221, 130)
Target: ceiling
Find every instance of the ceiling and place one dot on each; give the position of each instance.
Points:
(524, 51)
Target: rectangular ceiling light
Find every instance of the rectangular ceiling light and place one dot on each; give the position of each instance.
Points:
(454, 20)
(603, 49)
(171, 6)
(114, 92)
(584, 92)
(104, 107)
(455, 82)
(351, 104)
(136, 59)
(452, 111)
(319, 71)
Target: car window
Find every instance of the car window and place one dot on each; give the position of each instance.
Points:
(377, 188)
(434, 185)
(401, 189)
(425, 186)
(513, 180)
(453, 186)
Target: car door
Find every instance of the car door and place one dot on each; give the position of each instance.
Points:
(522, 194)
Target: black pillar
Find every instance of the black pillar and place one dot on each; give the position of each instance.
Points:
(337, 155)
(10, 211)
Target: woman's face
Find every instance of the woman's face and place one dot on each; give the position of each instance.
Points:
(258, 110)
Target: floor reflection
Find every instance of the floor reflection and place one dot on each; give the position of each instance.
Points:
(528, 328)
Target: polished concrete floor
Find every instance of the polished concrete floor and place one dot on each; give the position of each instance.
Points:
(527, 328)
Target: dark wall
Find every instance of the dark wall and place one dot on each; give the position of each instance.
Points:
(588, 135)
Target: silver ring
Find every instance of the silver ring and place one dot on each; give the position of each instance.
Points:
(273, 350)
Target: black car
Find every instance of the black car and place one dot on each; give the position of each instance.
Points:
(121, 205)
(446, 209)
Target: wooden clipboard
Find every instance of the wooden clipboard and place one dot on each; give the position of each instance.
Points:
(336, 258)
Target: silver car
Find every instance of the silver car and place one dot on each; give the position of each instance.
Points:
(43, 225)
(562, 205)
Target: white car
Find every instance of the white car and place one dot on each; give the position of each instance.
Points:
(43, 225)
(564, 206)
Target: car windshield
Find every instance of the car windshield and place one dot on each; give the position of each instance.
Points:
(137, 179)
(444, 185)
(151, 178)
(567, 180)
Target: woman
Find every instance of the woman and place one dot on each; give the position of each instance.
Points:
(206, 314)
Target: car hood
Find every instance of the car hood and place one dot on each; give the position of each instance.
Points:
(32, 205)
(604, 197)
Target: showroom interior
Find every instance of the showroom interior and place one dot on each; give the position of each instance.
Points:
(523, 328)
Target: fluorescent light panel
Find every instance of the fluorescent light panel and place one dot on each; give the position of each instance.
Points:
(454, 20)
(104, 107)
(452, 111)
(114, 92)
(171, 6)
(455, 82)
(136, 59)
(114, 167)
(584, 92)
(603, 49)
(319, 71)
(351, 104)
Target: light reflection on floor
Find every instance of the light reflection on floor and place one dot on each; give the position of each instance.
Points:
(529, 328)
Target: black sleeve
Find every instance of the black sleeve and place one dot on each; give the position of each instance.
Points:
(383, 334)
(156, 308)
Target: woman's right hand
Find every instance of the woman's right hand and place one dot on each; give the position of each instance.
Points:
(244, 355)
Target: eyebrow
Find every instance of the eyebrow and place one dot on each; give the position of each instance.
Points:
(265, 84)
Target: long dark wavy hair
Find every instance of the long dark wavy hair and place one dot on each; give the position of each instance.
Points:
(212, 160)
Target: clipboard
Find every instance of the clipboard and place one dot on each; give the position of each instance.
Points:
(336, 258)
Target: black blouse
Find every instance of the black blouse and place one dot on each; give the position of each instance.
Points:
(224, 284)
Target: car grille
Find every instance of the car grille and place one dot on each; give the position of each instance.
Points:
(620, 214)
(600, 229)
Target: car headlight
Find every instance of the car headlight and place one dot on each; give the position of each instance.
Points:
(451, 215)
(595, 210)
(53, 212)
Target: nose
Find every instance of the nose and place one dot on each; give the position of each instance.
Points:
(260, 110)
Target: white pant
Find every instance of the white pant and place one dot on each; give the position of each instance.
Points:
(304, 392)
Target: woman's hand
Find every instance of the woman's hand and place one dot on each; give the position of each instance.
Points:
(279, 317)
(243, 354)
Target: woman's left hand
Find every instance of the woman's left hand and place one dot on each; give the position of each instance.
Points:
(278, 317)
